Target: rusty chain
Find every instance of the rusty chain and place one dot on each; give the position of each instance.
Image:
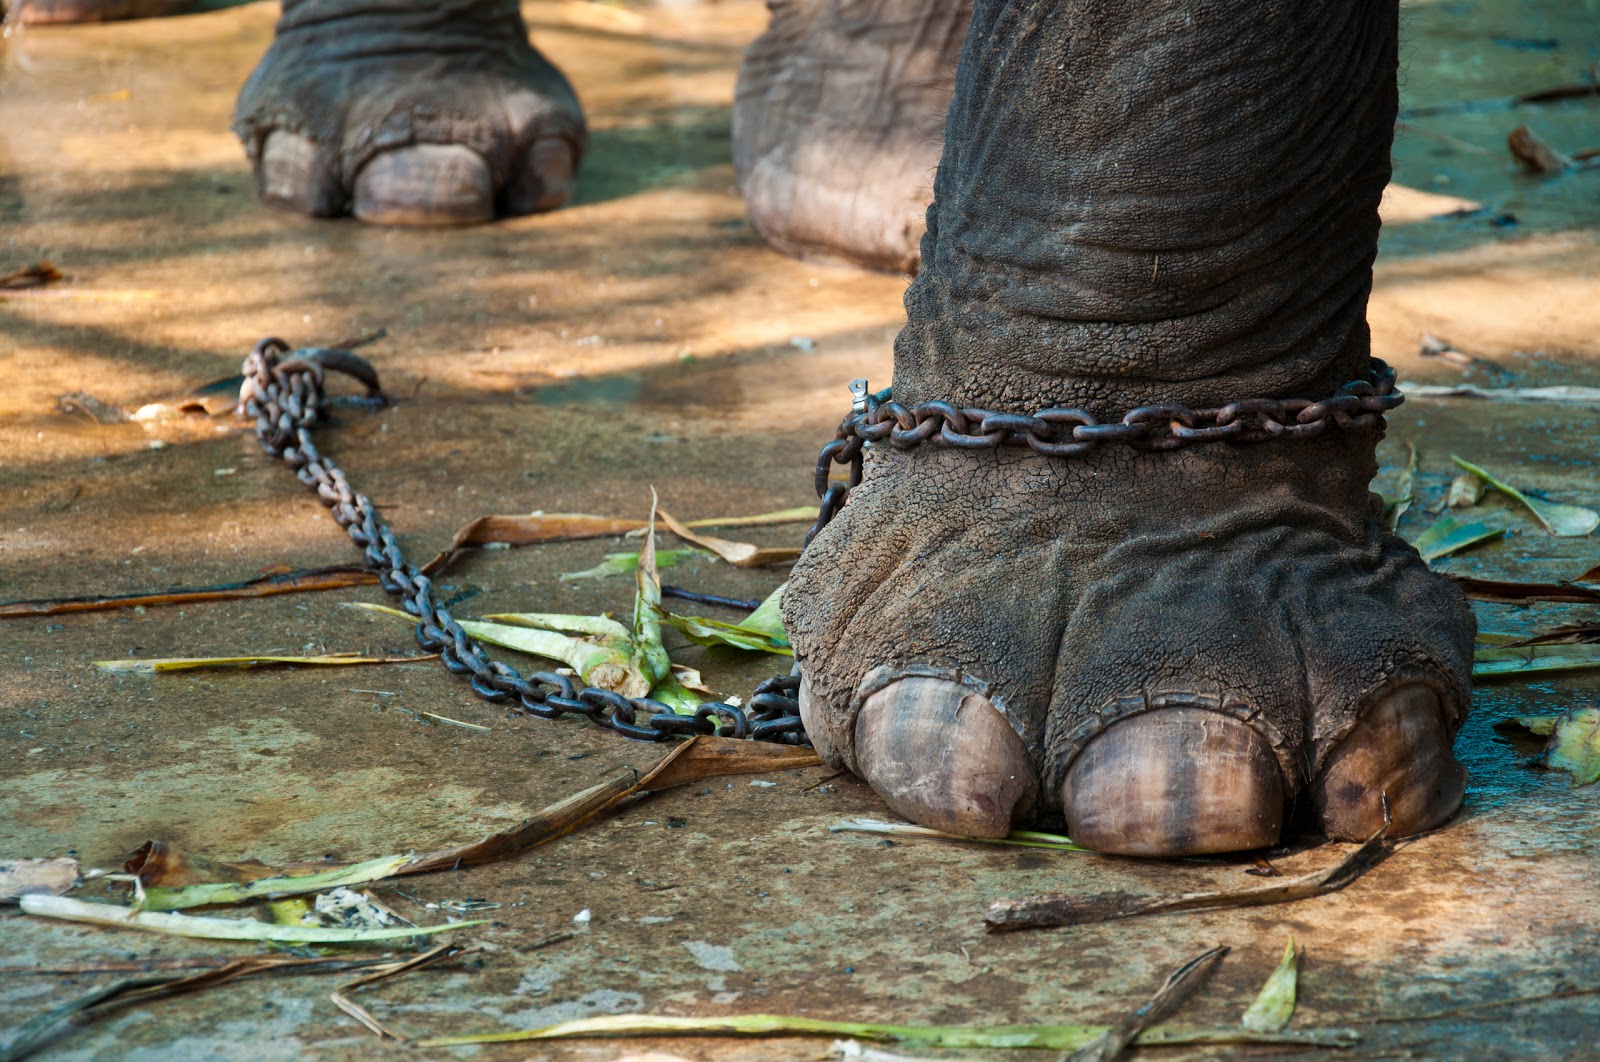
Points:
(285, 395)
(1071, 432)
(287, 399)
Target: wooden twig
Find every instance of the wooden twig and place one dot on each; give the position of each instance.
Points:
(1046, 911)
(416, 962)
(1180, 985)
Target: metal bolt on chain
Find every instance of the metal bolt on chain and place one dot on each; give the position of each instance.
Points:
(286, 397)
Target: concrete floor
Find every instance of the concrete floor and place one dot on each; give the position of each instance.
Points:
(568, 363)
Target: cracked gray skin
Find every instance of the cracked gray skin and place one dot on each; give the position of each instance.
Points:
(1134, 203)
(1147, 203)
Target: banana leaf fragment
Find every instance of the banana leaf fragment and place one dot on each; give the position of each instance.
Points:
(628, 563)
(1049, 1037)
(738, 554)
(1274, 1004)
(105, 914)
(1510, 660)
(1574, 746)
(649, 656)
(1448, 535)
(1560, 519)
(704, 631)
(1016, 838)
(607, 663)
(191, 663)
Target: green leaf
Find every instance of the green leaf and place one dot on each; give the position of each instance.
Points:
(1565, 521)
(650, 656)
(671, 692)
(186, 896)
(627, 563)
(1575, 746)
(1448, 535)
(1395, 504)
(1533, 659)
(1049, 1037)
(609, 667)
(1274, 1004)
(767, 618)
(596, 626)
(1542, 725)
(1016, 838)
(704, 631)
(177, 925)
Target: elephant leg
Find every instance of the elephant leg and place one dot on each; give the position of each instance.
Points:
(837, 120)
(62, 12)
(1143, 202)
(409, 112)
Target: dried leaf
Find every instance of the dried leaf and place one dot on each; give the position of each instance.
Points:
(1516, 593)
(294, 582)
(105, 914)
(738, 554)
(1565, 521)
(1534, 155)
(1466, 490)
(190, 663)
(1574, 746)
(25, 877)
(536, 528)
(1448, 535)
(1396, 504)
(34, 276)
(1052, 1037)
(1274, 1004)
(1501, 661)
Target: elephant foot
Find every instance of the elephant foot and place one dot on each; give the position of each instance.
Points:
(1168, 651)
(837, 122)
(64, 12)
(409, 113)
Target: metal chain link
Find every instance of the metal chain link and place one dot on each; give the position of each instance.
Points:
(1071, 432)
(286, 397)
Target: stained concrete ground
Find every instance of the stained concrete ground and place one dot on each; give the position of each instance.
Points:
(645, 337)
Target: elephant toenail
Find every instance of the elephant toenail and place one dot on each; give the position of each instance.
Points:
(1399, 748)
(1175, 782)
(943, 756)
(425, 184)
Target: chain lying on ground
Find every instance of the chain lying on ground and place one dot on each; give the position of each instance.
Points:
(1069, 432)
(286, 397)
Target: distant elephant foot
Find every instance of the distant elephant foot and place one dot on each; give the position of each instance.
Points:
(1165, 651)
(64, 12)
(409, 113)
(837, 122)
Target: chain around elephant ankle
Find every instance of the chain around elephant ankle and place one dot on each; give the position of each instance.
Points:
(1070, 432)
